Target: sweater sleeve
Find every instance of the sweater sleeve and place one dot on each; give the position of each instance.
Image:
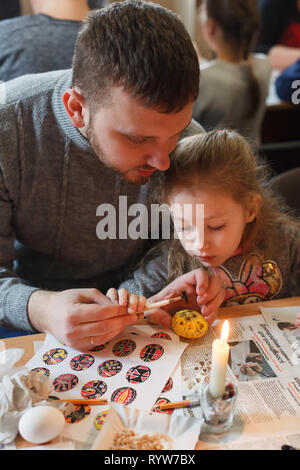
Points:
(151, 275)
(14, 292)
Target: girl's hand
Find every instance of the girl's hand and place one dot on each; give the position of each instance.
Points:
(133, 302)
(297, 321)
(205, 293)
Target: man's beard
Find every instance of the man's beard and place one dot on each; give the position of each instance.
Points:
(90, 136)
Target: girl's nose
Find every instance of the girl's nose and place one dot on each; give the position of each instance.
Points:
(203, 244)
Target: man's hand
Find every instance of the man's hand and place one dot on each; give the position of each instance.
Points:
(80, 318)
(136, 304)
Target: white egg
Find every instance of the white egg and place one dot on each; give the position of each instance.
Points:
(41, 424)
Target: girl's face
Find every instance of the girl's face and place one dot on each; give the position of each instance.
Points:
(216, 236)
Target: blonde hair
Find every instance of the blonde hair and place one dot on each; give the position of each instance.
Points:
(225, 161)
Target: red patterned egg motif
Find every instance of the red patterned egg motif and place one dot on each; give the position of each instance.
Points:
(42, 371)
(109, 368)
(124, 347)
(168, 386)
(138, 374)
(151, 352)
(161, 401)
(124, 395)
(65, 382)
(54, 356)
(80, 412)
(82, 362)
(94, 389)
(161, 334)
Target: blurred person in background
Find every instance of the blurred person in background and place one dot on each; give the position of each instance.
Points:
(9, 9)
(234, 86)
(279, 35)
(43, 41)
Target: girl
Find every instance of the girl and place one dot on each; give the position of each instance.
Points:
(235, 85)
(246, 235)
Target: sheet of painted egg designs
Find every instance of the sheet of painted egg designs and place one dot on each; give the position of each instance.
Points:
(138, 368)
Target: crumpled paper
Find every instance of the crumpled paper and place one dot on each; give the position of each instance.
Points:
(20, 390)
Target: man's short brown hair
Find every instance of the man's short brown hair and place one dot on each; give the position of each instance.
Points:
(142, 47)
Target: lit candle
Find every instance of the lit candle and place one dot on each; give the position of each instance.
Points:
(220, 352)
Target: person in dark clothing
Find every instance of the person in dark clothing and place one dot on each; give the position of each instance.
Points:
(280, 32)
(287, 84)
(9, 9)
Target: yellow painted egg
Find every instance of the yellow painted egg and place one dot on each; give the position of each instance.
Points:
(189, 324)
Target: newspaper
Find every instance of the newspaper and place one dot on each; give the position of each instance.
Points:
(264, 364)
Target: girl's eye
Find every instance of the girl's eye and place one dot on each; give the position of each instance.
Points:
(220, 227)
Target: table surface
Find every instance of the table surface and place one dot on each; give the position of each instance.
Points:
(27, 342)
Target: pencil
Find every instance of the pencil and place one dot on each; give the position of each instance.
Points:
(85, 401)
(163, 303)
(178, 404)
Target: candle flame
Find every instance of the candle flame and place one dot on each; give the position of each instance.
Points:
(225, 331)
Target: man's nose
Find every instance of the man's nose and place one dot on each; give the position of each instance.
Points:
(159, 158)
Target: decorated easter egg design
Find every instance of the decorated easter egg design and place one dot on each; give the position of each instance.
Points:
(124, 395)
(80, 412)
(138, 374)
(124, 347)
(161, 334)
(151, 352)
(109, 368)
(99, 419)
(82, 362)
(42, 371)
(65, 382)
(161, 401)
(54, 356)
(94, 389)
(168, 386)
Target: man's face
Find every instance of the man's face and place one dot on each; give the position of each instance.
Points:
(134, 140)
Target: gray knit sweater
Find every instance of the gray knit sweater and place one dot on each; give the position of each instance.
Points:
(51, 184)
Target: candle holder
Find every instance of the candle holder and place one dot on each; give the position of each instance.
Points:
(217, 412)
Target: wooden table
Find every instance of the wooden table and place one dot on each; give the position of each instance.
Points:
(27, 342)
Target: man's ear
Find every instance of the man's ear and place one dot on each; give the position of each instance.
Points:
(254, 207)
(75, 107)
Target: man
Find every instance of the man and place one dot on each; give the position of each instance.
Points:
(43, 41)
(73, 140)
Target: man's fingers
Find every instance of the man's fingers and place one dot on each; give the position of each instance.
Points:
(123, 297)
(90, 335)
(86, 296)
(141, 303)
(88, 313)
(113, 295)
